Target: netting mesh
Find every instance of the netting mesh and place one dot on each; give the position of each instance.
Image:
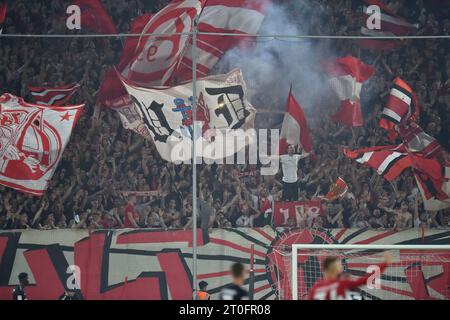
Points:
(412, 275)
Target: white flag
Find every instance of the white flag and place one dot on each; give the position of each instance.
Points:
(165, 114)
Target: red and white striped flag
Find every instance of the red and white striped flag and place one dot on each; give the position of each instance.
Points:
(401, 107)
(346, 76)
(56, 96)
(337, 189)
(388, 161)
(391, 24)
(294, 130)
(221, 16)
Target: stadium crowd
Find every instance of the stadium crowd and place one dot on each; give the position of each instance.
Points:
(103, 162)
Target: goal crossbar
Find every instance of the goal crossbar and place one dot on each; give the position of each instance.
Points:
(297, 247)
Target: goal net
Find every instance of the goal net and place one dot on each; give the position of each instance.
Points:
(419, 272)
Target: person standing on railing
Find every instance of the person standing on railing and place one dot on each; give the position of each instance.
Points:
(289, 166)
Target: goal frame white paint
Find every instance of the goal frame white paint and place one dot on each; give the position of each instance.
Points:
(296, 247)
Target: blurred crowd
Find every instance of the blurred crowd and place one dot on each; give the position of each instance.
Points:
(104, 164)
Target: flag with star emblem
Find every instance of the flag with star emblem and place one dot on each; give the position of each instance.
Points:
(32, 140)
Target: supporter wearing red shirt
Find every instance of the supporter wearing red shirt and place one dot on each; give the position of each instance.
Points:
(131, 216)
(333, 286)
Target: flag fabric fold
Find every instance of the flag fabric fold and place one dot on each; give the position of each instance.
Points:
(223, 116)
(294, 129)
(56, 96)
(387, 161)
(391, 24)
(95, 17)
(238, 17)
(346, 76)
(32, 140)
(401, 108)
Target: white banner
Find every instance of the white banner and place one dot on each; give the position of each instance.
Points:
(223, 117)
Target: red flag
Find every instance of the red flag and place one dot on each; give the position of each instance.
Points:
(431, 177)
(221, 16)
(95, 17)
(418, 142)
(32, 140)
(346, 76)
(294, 129)
(388, 161)
(337, 189)
(401, 106)
(3, 8)
(112, 93)
(155, 58)
(391, 24)
(56, 96)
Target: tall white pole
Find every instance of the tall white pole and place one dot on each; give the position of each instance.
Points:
(193, 154)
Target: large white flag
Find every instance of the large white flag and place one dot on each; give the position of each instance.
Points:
(32, 140)
(165, 114)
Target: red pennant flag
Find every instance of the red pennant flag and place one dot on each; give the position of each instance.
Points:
(56, 96)
(294, 129)
(346, 76)
(95, 17)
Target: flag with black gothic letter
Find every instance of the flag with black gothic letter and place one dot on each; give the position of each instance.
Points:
(56, 96)
(3, 8)
(165, 115)
(32, 140)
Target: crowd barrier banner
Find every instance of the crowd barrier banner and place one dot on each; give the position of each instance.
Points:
(148, 264)
(292, 212)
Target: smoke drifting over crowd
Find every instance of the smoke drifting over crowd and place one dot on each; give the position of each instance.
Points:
(272, 64)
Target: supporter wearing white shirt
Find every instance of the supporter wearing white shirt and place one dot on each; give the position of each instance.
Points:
(289, 165)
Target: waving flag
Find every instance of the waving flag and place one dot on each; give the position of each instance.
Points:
(346, 76)
(418, 142)
(388, 161)
(294, 129)
(165, 115)
(95, 17)
(433, 181)
(221, 16)
(337, 189)
(32, 140)
(391, 24)
(3, 8)
(56, 96)
(401, 107)
(155, 58)
(112, 94)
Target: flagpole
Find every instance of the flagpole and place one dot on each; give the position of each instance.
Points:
(193, 154)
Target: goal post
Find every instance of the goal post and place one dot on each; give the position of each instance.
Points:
(416, 271)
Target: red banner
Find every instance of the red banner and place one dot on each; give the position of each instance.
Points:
(285, 211)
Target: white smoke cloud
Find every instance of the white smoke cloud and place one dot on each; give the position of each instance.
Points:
(271, 65)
